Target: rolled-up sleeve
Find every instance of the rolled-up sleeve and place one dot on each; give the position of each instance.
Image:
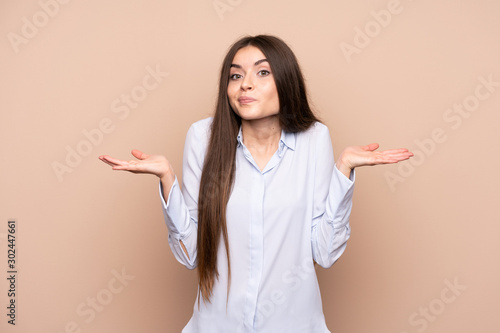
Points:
(333, 193)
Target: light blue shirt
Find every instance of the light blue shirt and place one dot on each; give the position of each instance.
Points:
(278, 220)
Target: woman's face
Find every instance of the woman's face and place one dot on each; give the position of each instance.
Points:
(251, 90)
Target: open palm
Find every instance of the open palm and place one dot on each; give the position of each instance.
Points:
(150, 164)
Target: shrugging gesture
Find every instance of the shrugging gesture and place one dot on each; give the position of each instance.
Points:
(272, 223)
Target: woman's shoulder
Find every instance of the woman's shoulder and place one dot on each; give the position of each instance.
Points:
(315, 137)
(203, 124)
(317, 129)
(200, 129)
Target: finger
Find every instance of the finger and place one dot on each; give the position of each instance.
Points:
(108, 163)
(122, 167)
(107, 160)
(378, 161)
(139, 154)
(403, 157)
(370, 147)
(113, 161)
(132, 166)
(103, 157)
(394, 158)
(398, 153)
(395, 151)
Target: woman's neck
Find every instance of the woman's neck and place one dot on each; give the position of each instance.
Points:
(261, 134)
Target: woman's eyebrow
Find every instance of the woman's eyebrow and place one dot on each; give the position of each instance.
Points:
(256, 63)
(259, 61)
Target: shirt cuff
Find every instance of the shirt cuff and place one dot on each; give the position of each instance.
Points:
(352, 175)
(175, 211)
(341, 203)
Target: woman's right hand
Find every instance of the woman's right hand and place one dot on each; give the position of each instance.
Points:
(153, 164)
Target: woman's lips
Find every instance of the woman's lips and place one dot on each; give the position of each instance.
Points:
(245, 100)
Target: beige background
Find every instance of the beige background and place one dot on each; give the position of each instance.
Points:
(417, 228)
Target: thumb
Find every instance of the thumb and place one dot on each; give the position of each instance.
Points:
(370, 147)
(139, 154)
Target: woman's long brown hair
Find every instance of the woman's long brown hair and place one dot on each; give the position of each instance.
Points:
(218, 173)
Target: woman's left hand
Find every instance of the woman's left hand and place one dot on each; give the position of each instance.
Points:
(356, 156)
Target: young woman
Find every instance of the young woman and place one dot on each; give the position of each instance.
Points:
(262, 198)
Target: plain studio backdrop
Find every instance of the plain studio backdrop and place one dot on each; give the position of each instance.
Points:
(85, 78)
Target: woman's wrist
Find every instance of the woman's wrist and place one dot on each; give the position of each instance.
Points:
(167, 181)
(344, 166)
(168, 177)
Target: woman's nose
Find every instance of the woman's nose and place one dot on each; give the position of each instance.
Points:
(247, 83)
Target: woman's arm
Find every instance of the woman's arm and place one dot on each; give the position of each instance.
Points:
(334, 185)
(332, 203)
(179, 207)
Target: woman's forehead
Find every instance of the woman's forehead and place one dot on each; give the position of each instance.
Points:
(248, 56)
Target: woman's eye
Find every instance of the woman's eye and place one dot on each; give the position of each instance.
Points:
(235, 76)
(264, 72)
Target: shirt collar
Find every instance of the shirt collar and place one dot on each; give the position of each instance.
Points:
(287, 139)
